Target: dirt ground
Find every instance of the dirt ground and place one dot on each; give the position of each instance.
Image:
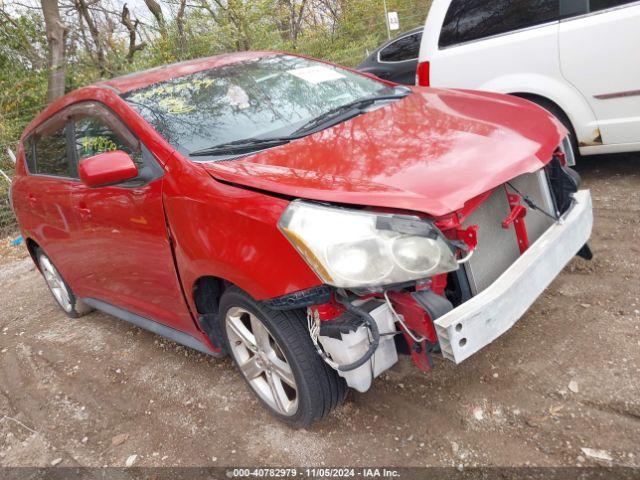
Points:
(96, 391)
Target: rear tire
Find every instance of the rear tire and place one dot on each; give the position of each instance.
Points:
(280, 366)
(61, 291)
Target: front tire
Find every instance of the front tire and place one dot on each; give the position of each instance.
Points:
(70, 304)
(275, 356)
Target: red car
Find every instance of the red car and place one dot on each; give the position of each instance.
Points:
(312, 221)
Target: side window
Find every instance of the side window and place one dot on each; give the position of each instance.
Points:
(595, 5)
(51, 154)
(92, 135)
(405, 48)
(468, 20)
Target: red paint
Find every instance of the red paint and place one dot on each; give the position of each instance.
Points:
(424, 74)
(516, 217)
(420, 153)
(419, 321)
(438, 152)
(106, 168)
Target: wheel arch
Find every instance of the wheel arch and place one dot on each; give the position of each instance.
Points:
(206, 292)
(560, 93)
(32, 248)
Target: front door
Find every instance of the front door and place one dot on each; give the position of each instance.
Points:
(122, 251)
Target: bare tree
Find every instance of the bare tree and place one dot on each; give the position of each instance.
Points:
(156, 11)
(289, 20)
(56, 57)
(131, 27)
(83, 12)
(182, 43)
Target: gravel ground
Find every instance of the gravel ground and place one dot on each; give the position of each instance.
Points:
(97, 391)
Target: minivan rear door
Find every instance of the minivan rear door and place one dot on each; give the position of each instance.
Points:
(599, 41)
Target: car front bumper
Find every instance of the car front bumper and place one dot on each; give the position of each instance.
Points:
(483, 318)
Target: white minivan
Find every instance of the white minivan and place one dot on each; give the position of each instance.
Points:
(580, 59)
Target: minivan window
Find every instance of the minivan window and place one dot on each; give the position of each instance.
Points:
(51, 154)
(268, 96)
(468, 20)
(405, 48)
(596, 5)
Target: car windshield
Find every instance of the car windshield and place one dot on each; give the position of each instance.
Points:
(266, 97)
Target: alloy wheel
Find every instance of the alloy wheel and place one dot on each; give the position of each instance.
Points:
(261, 361)
(55, 283)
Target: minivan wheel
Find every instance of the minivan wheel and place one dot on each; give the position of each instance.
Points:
(63, 294)
(275, 355)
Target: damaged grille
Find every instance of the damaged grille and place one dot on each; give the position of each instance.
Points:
(498, 247)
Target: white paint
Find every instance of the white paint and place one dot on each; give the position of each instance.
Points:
(316, 74)
(567, 62)
(480, 320)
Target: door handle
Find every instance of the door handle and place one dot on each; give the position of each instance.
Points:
(32, 200)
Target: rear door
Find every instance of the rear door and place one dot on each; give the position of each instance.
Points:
(46, 210)
(122, 252)
(493, 45)
(600, 55)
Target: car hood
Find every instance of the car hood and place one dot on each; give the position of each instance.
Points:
(429, 152)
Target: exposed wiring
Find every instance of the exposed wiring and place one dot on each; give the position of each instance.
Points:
(401, 321)
(466, 258)
(313, 323)
(532, 205)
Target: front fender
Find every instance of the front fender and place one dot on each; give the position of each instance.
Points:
(231, 233)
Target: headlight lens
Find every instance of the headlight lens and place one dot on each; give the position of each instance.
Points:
(351, 248)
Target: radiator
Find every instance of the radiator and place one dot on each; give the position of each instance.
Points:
(497, 247)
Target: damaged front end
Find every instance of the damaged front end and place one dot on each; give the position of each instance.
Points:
(451, 285)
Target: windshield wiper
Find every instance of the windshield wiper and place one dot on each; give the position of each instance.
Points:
(242, 146)
(338, 112)
(335, 115)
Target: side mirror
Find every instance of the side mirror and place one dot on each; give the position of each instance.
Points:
(107, 168)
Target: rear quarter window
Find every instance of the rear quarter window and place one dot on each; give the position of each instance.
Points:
(468, 20)
(51, 154)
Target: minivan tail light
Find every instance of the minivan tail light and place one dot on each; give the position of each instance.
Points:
(423, 74)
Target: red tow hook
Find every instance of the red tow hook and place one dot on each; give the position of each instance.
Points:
(516, 217)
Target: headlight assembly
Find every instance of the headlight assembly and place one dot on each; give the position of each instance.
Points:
(356, 249)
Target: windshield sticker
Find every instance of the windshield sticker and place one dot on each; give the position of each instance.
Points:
(317, 74)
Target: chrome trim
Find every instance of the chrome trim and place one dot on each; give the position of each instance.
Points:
(483, 318)
(609, 96)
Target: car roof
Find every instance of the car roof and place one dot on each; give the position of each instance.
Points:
(134, 81)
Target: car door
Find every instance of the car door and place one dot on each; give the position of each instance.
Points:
(599, 55)
(46, 192)
(122, 252)
(398, 60)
